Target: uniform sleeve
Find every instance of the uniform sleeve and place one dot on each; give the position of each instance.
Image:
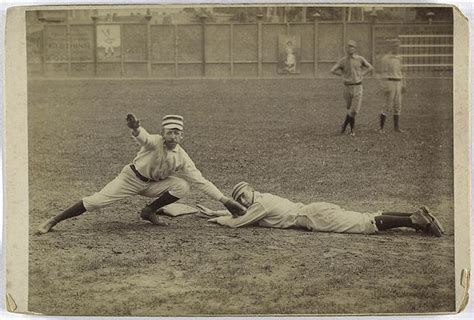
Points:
(255, 213)
(193, 175)
(147, 140)
(366, 63)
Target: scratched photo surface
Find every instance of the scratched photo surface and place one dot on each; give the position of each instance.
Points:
(260, 105)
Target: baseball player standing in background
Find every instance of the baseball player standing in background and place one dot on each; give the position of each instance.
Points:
(394, 85)
(352, 68)
(151, 174)
(268, 210)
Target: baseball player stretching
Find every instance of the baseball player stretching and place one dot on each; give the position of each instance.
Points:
(394, 85)
(352, 68)
(151, 174)
(267, 210)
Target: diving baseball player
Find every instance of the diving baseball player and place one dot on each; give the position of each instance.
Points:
(151, 174)
(352, 68)
(268, 210)
(394, 85)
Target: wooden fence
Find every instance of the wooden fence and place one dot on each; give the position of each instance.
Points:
(230, 50)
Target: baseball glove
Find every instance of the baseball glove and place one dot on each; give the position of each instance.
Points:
(132, 121)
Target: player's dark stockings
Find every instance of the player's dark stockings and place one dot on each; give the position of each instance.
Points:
(396, 121)
(165, 199)
(382, 120)
(346, 122)
(73, 211)
(385, 222)
(352, 122)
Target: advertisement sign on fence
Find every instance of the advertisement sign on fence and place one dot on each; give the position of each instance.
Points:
(108, 42)
(289, 48)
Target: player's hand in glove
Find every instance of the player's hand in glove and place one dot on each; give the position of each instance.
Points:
(234, 207)
(132, 121)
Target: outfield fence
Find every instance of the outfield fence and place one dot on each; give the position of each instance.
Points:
(227, 50)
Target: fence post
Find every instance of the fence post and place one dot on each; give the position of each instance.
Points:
(344, 17)
(94, 43)
(43, 48)
(122, 52)
(231, 36)
(176, 50)
(373, 19)
(148, 41)
(259, 45)
(316, 17)
(203, 23)
(68, 37)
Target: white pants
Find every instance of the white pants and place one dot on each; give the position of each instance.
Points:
(328, 217)
(392, 97)
(127, 184)
(353, 97)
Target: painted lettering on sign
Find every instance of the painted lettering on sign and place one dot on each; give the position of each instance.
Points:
(34, 46)
(82, 43)
(56, 43)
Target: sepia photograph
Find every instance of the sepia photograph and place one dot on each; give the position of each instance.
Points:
(211, 160)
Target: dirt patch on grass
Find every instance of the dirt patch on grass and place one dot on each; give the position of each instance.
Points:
(282, 137)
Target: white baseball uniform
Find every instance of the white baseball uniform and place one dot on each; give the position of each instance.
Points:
(351, 71)
(393, 82)
(153, 173)
(275, 212)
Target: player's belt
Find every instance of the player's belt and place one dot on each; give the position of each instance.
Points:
(353, 84)
(394, 79)
(138, 174)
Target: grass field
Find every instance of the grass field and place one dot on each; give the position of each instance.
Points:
(280, 135)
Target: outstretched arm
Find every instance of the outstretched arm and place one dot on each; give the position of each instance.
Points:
(212, 213)
(195, 176)
(255, 213)
(133, 123)
(141, 135)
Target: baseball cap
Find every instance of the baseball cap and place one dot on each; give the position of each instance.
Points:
(173, 121)
(352, 43)
(238, 189)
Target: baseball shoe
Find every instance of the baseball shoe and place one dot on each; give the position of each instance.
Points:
(148, 214)
(426, 222)
(381, 131)
(353, 134)
(436, 225)
(399, 130)
(46, 226)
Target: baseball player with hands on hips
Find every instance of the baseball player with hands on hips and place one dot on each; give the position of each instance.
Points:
(352, 68)
(271, 211)
(151, 174)
(393, 84)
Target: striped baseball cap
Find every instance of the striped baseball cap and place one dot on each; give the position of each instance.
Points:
(238, 189)
(173, 121)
